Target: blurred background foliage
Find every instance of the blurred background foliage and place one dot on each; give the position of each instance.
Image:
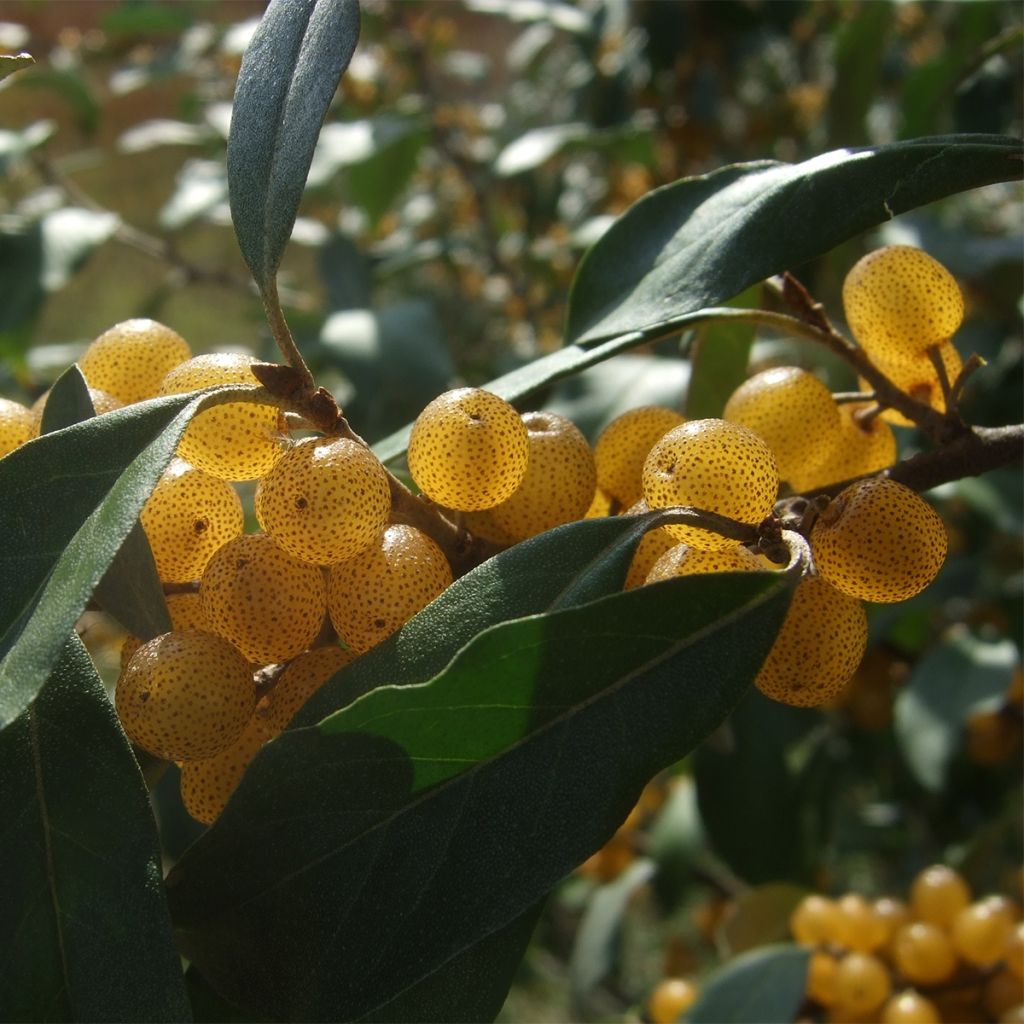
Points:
(474, 150)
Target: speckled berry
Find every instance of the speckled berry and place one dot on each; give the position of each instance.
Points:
(17, 425)
(186, 518)
(865, 446)
(683, 560)
(131, 359)
(715, 466)
(207, 784)
(269, 604)
(899, 301)
(468, 450)
(623, 445)
(297, 683)
(324, 500)
(482, 524)
(879, 541)
(102, 402)
(234, 440)
(559, 482)
(600, 505)
(917, 376)
(371, 595)
(793, 412)
(185, 695)
(186, 612)
(819, 647)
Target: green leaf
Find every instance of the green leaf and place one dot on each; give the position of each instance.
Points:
(287, 80)
(766, 984)
(87, 935)
(130, 589)
(419, 820)
(759, 916)
(951, 681)
(702, 240)
(69, 500)
(11, 62)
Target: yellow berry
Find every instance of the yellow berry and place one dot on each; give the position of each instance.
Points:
(652, 546)
(793, 412)
(879, 541)
(862, 983)
(482, 524)
(863, 930)
(917, 376)
(468, 450)
(234, 440)
(815, 921)
(186, 611)
(938, 894)
(923, 954)
(559, 482)
(821, 977)
(207, 784)
(683, 560)
(622, 447)
(185, 695)
(325, 499)
(910, 1007)
(1013, 951)
(297, 683)
(863, 448)
(270, 605)
(715, 466)
(1003, 991)
(819, 647)
(131, 359)
(380, 589)
(17, 425)
(670, 998)
(600, 505)
(979, 932)
(186, 518)
(900, 301)
(893, 914)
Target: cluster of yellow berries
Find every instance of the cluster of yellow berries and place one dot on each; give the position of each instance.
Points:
(940, 955)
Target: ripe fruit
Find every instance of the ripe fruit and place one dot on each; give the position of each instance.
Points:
(622, 447)
(863, 930)
(559, 482)
(371, 595)
(324, 500)
(235, 440)
(600, 505)
(17, 425)
(819, 647)
(185, 695)
(468, 450)
(671, 996)
(652, 546)
(923, 953)
(297, 683)
(879, 541)
(899, 301)
(863, 448)
(187, 517)
(815, 921)
(131, 359)
(938, 894)
(979, 933)
(862, 984)
(683, 560)
(910, 1007)
(267, 603)
(821, 977)
(207, 784)
(793, 412)
(715, 466)
(916, 375)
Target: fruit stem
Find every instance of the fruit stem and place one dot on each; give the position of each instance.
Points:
(282, 334)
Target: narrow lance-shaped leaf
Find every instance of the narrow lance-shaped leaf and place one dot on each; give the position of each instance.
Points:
(418, 821)
(288, 76)
(86, 932)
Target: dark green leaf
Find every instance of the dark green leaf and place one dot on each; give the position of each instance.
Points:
(86, 934)
(11, 62)
(766, 984)
(69, 500)
(67, 402)
(286, 82)
(419, 820)
(702, 240)
(962, 675)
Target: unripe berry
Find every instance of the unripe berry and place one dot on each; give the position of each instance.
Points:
(325, 500)
(270, 605)
(622, 447)
(188, 516)
(468, 450)
(185, 695)
(559, 482)
(917, 377)
(17, 425)
(793, 412)
(131, 359)
(863, 448)
(910, 1007)
(297, 683)
(819, 647)
(683, 560)
(862, 984)
(235, 440)
(900, 301)
(671, 996)
(380, 589)
(923, 954)
(879, 541)
(715, 466)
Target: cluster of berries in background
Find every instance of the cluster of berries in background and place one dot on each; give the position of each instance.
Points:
(262, 617)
